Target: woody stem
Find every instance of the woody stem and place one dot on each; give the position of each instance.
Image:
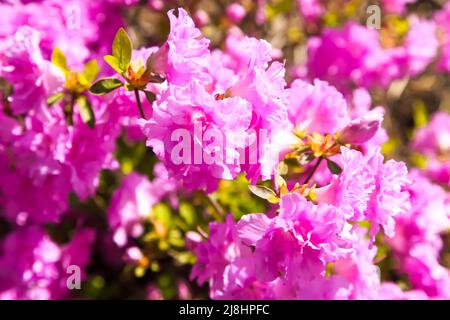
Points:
(319, 161)
(138, 101)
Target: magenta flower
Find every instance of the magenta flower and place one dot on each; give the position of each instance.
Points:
(396, 6)
(310, 10)
(417, 242)
(317, 107)
(360, 59)
(34, 267)
(235, 12)
(321, 229)
(232, 97)
(433, 141)
(133, 201)
(361, 130)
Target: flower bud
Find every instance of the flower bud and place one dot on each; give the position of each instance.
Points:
(362, 129)
(201, 18)
(236, 12)
(157, 62)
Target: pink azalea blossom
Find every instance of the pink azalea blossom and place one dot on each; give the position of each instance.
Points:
(433, 141)
(133, 201)
(34, 267)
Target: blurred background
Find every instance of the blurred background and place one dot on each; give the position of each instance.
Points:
(156, 265)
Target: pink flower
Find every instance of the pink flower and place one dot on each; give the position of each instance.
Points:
(34, 267)
(317, 107)
(45, 158)
(192, 112)
(360, 270)
(321, 229)
(223, 261)
(428, 217)
(391, 291)
(433, 141)
(396, 6)
(389, 197)
(310, 10)
(368, 189)
(417, 242)
(74, 26)
(426, 273)
(362, 129)
(360, 59)
(236, 12)
(23, 66)
(133, 201)
(442, 20)
(186, 51)
(205, 93)
(352, 190)
(418, 50)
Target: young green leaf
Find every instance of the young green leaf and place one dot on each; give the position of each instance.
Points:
(334, 167)
(91, 70)
(59, 59)
(122, 49)
(114, 63)
(105, 85)
(55, 98)
(265, 193)
(129, 87)
(86, 112)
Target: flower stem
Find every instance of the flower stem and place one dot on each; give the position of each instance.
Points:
(138, 100)
(217, 211)
(68, 109)
(319, 161)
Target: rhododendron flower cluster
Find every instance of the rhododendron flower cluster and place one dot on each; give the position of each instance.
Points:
(362, 59)
(230, 150)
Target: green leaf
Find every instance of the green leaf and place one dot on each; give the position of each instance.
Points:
(129, 87)
(419, 160)
(280, 181)
(283, 168)
(265, 193)
(162, 214)
(55, 98)
(91, 70)
(188, 213)
(105, 85)
(114, 63)
(334, 167)
(86, 112)
(59, 59)
(122, 49)
(150, 96)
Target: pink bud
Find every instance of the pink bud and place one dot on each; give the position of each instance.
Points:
(158, 60)
(154, 293)
(236, 12)
(184, 292)
(201, 18)
(156, 5)
(362, 129)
